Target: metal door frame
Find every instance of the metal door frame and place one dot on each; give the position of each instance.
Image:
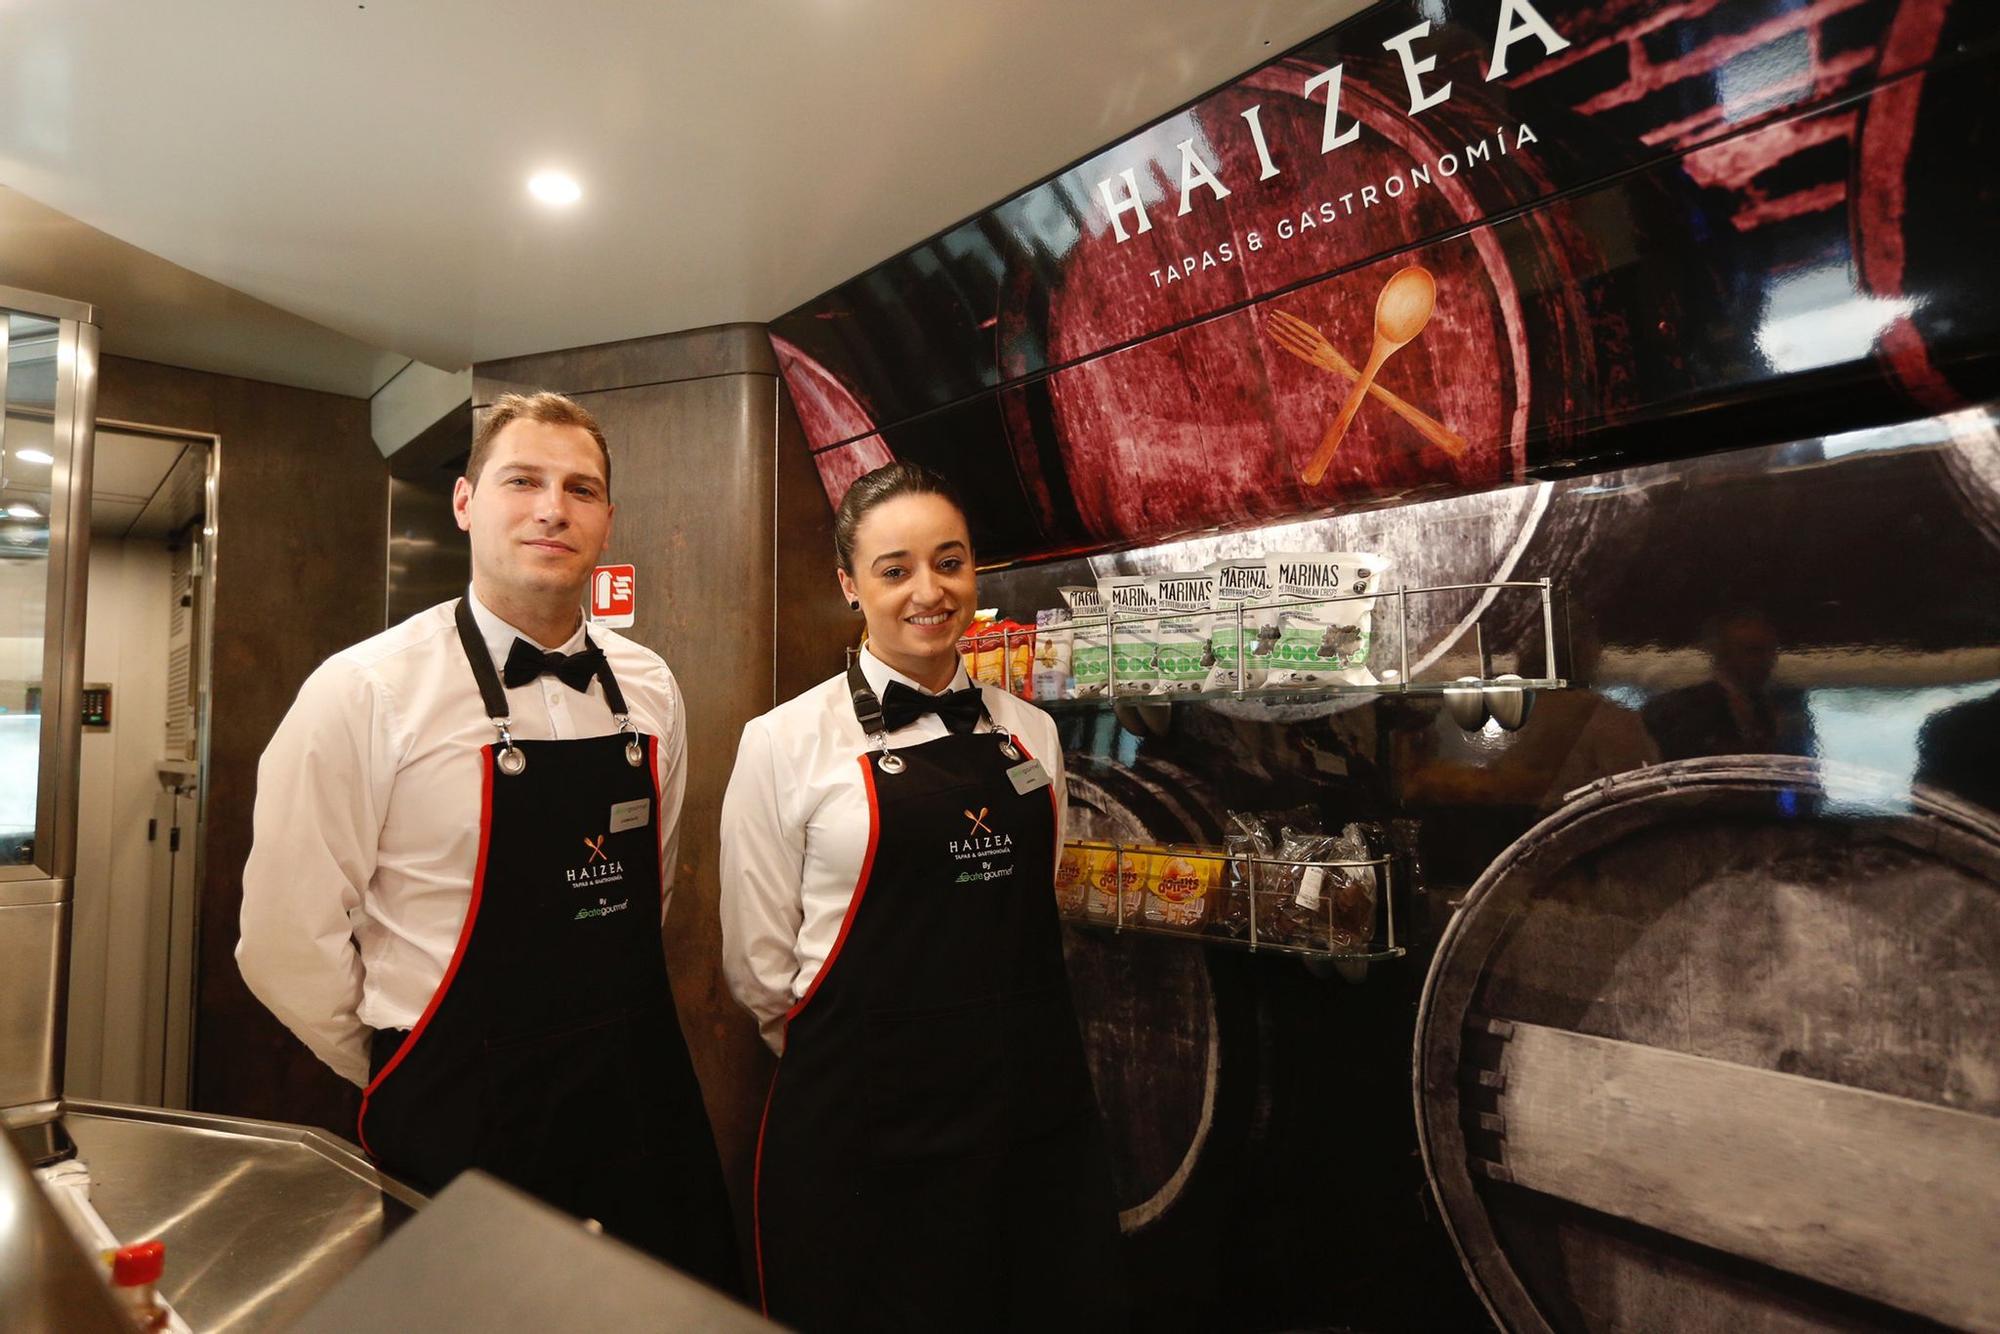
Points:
(184, 921)
(47, 881)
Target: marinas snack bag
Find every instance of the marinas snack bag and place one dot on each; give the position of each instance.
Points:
(1182, 648)
(1323, 643)
(1134, 643)
(1244, 584)
(1053, 640)
(1090, 651)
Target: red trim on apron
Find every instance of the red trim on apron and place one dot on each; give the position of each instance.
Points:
(659, 820)
(846, 924)
(860, 889)
(458, 951)
(757, 1196)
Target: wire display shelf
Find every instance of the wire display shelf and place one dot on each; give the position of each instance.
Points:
(1311, 908)
(1000, 655)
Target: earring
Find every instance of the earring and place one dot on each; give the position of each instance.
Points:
(854, 604)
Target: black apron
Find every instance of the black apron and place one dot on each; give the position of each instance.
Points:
(931, 1156)
(551, 1055)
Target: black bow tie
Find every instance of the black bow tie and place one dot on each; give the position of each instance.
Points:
(960, 709)
(525, 662)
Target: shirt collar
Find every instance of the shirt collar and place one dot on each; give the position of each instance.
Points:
(879, 674)
(500, 636)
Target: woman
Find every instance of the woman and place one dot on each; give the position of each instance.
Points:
(930, 1156)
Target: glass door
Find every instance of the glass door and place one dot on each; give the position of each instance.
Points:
(48, 383)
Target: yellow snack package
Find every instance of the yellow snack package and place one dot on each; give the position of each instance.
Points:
(1181, 893)
(1116, 878)
(1073, 874)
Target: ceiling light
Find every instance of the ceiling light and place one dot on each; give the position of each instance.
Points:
(20, 511)
(34, 456)
(552, 187)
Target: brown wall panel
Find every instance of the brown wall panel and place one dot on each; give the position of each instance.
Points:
(299, 575)
(635, 363)
(813, 623)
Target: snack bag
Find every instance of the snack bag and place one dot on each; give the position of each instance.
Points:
(1114, 878)
(999, 653)
(1182, 646)
(1018, 658)
(1073, 874)
(1301, 909)
(1323, 643)
(1182, 894)
(1351, 893)
(1135, 642)
(980, 647)
(1244, 583)
(1051, 678)
(1090, 650)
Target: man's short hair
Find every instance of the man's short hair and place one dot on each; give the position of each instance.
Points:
(550, 409)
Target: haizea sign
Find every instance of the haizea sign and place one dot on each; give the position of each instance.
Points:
(1546, 229)
(1519, 21)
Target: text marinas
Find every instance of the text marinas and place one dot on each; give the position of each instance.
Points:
(1519, 21)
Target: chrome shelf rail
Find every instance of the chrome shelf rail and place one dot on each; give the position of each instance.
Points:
(1381, 943)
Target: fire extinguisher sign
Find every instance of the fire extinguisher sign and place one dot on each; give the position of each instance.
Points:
(613, 595)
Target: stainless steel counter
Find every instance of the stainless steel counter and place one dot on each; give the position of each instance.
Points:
(47, 1281)
(260, 1218)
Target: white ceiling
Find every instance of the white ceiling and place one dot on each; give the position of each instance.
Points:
(363, 165)
(153, 310)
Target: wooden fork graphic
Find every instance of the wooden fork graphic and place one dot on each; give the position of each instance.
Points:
(1309, 345)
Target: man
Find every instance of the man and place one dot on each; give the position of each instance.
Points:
(1738, 711)
(465, 829)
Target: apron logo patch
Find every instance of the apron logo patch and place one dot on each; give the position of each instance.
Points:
(599, 868)
(987, 854)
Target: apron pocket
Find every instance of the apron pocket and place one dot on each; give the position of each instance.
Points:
(555, 1096)
(935, 1081)
(975, 1077)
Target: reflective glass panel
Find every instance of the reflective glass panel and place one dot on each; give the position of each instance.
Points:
(26, 456)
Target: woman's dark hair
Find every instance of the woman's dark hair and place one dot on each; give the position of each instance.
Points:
(901, 478)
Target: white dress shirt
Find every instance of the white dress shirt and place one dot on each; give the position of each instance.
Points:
(367, 818)
(795, 830)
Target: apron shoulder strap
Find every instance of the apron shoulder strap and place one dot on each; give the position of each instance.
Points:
(480, 658)
(867, 707)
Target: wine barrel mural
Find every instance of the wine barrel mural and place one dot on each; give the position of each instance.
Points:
(1691, 312)
(1155, 1048)
(1714, 1047)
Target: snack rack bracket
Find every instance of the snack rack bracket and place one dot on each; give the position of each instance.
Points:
(1391, 680)
(1382, 943)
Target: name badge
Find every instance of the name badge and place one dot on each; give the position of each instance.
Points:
(631, 814)
(1028, 776)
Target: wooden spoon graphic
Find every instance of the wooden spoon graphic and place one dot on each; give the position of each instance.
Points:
(1401, 313)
